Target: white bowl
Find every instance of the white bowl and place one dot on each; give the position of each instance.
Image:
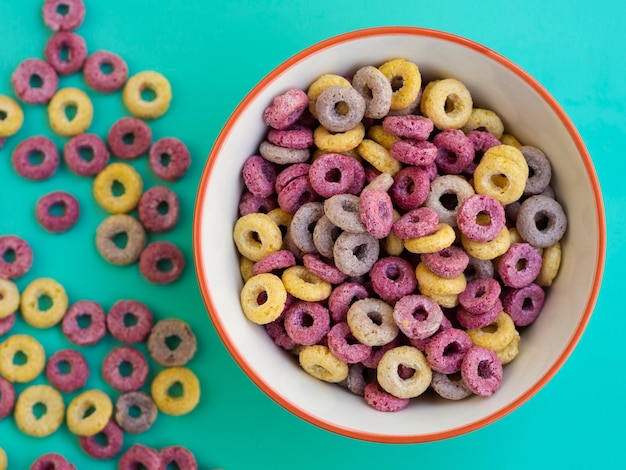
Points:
(528, 112)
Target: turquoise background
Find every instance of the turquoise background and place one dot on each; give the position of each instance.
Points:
(214, 52)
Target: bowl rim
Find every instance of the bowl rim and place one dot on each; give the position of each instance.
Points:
(573, 133)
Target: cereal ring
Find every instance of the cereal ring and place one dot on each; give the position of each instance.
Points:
(380, 400)
(129, 321)
(110, 444)
(6, 324)
(379, 157)
(550, 264)
(326, 108)
(105, 71)
(344, 211)
(169, 158)
(276, 261)
(524, 305)
(392, 278)
(394, 245)
(161, 262)
(338, 142)
(158, 209)
(178, 456)
(480, 295)
(539, 168)
(125, 368)
(447, 193)
(541, 221)
(51, 460)
(286, 109)
(245, 267)
(455, 152)
(7, 397)
(448, 103)
(141, 402)
(375, 89)
(263, 298)
(117, 225)
(478, 268)
(138, 456)
(510, 351)
(342, 297)
(318, 361)
(107, 194)
(295, 136)
(441, 238)
(416, 223)
(450, 386)
(259, 176)
(296, 193)
(484, 120)
(148, 81)
(129, 137)
(417, 316)
(34, 297)
(67, 99)
(410, 126)
(89, 412)
(482, 371)
(24, 412)
(63, 15)
(319, 85)
(488, 250)
(84, 323)
(436, 284)
(256, 236)
(355, 253)
(57, 212)
(405, 79)
(11, 116)
(358, 377)
(495, 336)
(307, 322)
(500, 177)
(519, 266)
(371, 322)
(468, 218)
(391, 382)
(381, 182)
(9, 298)
(345, 346)
(449, 301)
(283, 155)
(299, 228)
(38, 72)
(26, 158)
(410, 188)
(174, 404)
(445, 351)
(447, 263)
(479, 320)
(414, 152)
(67, 370)
(172, 342)
(509, 139)
(86, 154)
(250, 204)
(482, 141)
(379, 135)
(304, 285)
(323, 269)
(324, 235)
(4, 463)
(376, 212)
(66, 52)
(334, 173)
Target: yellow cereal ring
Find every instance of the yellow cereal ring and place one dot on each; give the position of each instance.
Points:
(317, 153)
(256, 235)
(10, 350)
(173, 403)
(508, 139)
(26, 416)
(318, 361)
(381, 136)
(282, 219)
(428, 280)
(104, 192)
(510, 152)
(551, 262)
(245, 267)
(319, 85)
(495, 336)
(4, 461)
(304, 285)
(408, 75)
(488, 250)
(442, 238)
(391, 382)
(143, 108)
(263, 298)
(510, 351)
(68, 98)
(444, 300)
(89, 412)
(38, 290)
(501, 178)
(339, 142)
(11, 116)
(484, 119)
(448, 103)
(379, 157)
(9, 297)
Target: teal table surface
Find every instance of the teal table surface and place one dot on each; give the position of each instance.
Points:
(213, 53)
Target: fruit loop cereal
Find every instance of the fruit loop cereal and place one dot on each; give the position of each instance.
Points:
(172, 342)
(129, 321)
(36, 293)
(75, 47)
(169, 158)
(31, 70)
(163, 394)
(89, 412)
(96, 78)
(26, 161)
(144, 108)
(11, 116)
(158, 209)
(89, 145)
(125, 368)
(52, 460)
(57, 20)
(161, 262)
(57, 212)
(67, 380)
(24, 413)
(7, 397)
(84, 323)
(114, 226)
(178, 456)
(59, 107)
(129, 137)
(136, 400)
(113, 441)
(9, 298)
(118, 200)
(16, 257)
(138, 456)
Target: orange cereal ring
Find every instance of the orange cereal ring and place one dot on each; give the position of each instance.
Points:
(11, 116)
(263, 298)
(408, 75)
(319, 362)
(105, 192)
(256, 235)
(319, 85)
(488, 250)
(68, 98)
(339, 142)
(484, 119)
(448, 103)
(147, 108)
(551, 262)
(443, 237)
(379, 157)
(304, 285)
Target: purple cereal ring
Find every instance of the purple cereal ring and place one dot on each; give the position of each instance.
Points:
(6, 324)
(106, 448)
(417, 316)
(447, 263)
(259, 176)
(295, 194)
(35, 81)
(16, 257)
(482, 371)
(158, 209)
(53, 461)
(307, 322)
(161, 262)
(410, 126)
(416, 223)
(25, 158)
(478, 268)
(129, 321)
(299, 229)
(381, 400)
(7, 397)
(455, 151)
(286, 109)
(541, 221)
(84, 323)
(178, 456)
(482, 141)
(540, 170)
(63, 15)
(326, 108)
(67, 370)
(276, 331)
(323, 269)
(410, 188)
(295, 136)
(450, 386)
(129, 137)
(446, 350)
(325, 234)
(105, 72)
(358, 377)
(345, 346)
(290, 173)
(333, 173)
(375, 89)
(66, 42)
(520, 265)
(86, 154)
(393, 278)
(275, 261)
(432, 171)
(283, 155)
(421, 343)
(414, 152)
(473, 321)
(169, 158)
(371, 174)
(139, 456)
(524, 305)
(471, 208)
(480, 295)
(249, 203)
(342, 297)
(57, 212)
(376, 212)
(125, 357)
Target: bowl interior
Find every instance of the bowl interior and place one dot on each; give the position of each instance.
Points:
(528, 112)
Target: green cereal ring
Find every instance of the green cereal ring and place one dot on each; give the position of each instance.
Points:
(30, 304)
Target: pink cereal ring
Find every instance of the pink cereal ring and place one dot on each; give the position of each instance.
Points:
(84, 323)
(138, 456)
(307, 322)
(275, 261)
(169, 158)
(113, 442)
(524, 305)
(410, 188)
(16, 257)
(31, 147)
(417, 316)
(471, 208)
(295, 194)
(455, 151)
(345, 346)
(290, 173)
(482, 371)
(76, 48)
(179, 456)
(332, 174)
(480, 295)
(414, 152)
(520, 265)
(58, 20)
(376, 212)
(482, 141)
(446, 350)
(259, 176)
(295, 136)
(30, 71)
(90, 145)
(249, 203)
(6, 324)
(129, 321)
(342, 297)
(286, 109)
(447, 263)
(325, 270)
(52, 460)
(478, 320)
(381, 400)
(416, 223)
(76, 375)
(129, 137)
(95, 76)
(116, 360)
(7, 397)
(410, 126)
(393, 278)
(57, 212)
